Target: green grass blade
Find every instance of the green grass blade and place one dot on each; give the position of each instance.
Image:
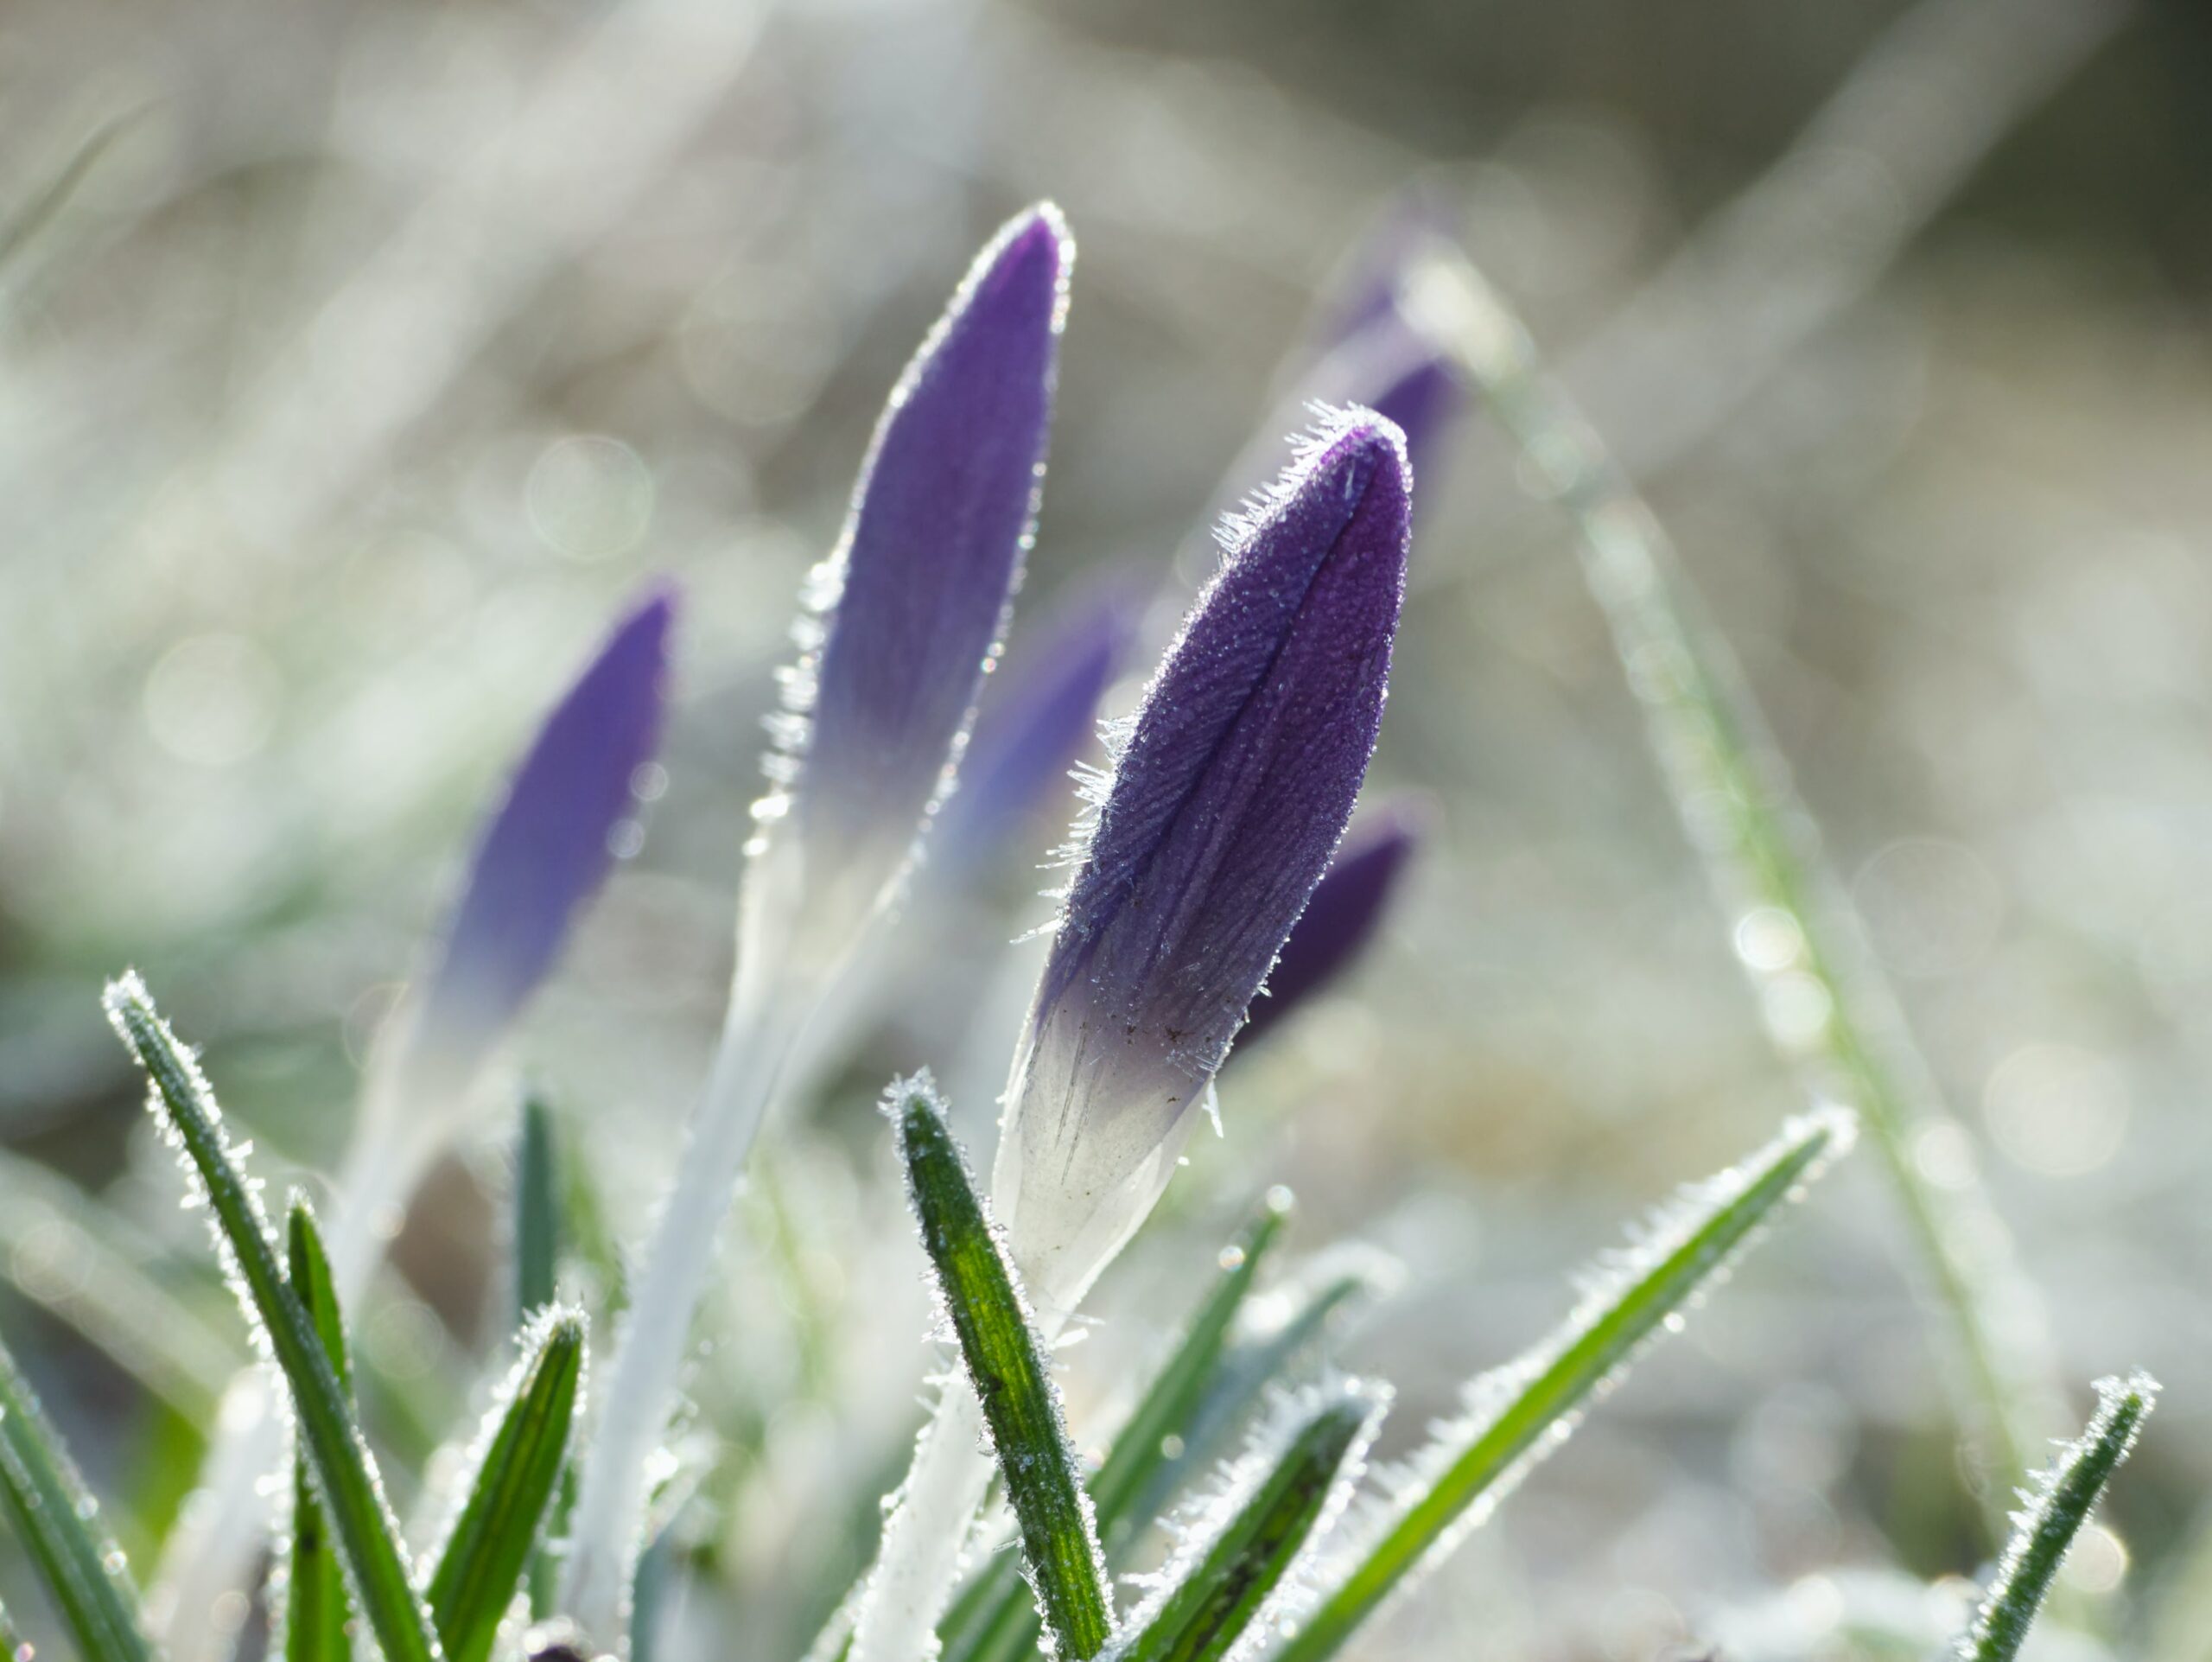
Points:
(995, 1617)
(1521, 1412)
(538, 1211)
(13, 1645)
(1287, 1493)
(345, 1471)
(480, 1568)
(58, 1521)
(2055, 1514)
(538, 1242)
(1828, 1008)
(315, 1608)
(1020, 1402)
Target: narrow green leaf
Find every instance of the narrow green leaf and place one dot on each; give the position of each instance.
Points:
(1282, 1494)
(58, 1520)
(1829, 1008)
(538, 1257)
(538, 1211)
(995, 1619)
(489, 1544)
(13, 1645)
(344, 1470)
(315, 1606)
(1020, 1403)
(1518, 1414)
(2055, 1512)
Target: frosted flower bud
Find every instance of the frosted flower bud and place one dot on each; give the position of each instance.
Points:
(1230, 791)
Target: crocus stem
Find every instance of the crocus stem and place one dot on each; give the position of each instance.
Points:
(645, 1375)
(926, 1535)
(1796, 936)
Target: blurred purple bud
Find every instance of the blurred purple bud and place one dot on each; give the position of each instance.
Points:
(1223, 810)
(1371, 355)
(916, 595)
(1347, 907)
(549, 846)
(1040, 718)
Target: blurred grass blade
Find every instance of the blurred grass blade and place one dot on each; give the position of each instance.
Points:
(344, 1470)
(1518, 1414)
(1828, 1008)
(538, 1211)
(1338, 1280)
(315, 1603)
(486, 1551)
(75, 1255)
(13, 1645)
(1172, 1401)
(1290, 1491)
(1007, 1366)
(538, 1241)
(994, 1617)
(23, 226)
(57, 1518)
(2055, 1512)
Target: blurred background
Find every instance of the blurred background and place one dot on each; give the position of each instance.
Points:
(359, 361)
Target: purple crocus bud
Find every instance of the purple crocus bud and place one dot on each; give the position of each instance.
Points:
(911, 603)
(1347, 906)
(1227, 801)
(1040, 719)
(546, 849)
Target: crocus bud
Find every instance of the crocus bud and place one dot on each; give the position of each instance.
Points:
(1040, 719)
(1347, 907)
(1226, 803)
(910, 606)
(543, 852)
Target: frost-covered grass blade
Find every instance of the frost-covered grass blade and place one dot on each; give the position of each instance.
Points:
(992, 1620)
(316, 1610)
(57, 1519)
(344, 1470)
(1215, 1591)
(1007, 1366)
(1523, 1411)
(491, 1540)
(2055, 1514)
(1827, 1005)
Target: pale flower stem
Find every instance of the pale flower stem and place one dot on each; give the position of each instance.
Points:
(645, 1376)
(925, 1536)
(1830, 1012)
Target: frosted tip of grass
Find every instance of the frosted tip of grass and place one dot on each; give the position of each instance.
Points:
(2054, 1509)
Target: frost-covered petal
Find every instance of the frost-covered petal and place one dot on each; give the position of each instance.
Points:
(546, 849)
(1040, 718)
(1226, 804)
(916, 593)
(1347, 906)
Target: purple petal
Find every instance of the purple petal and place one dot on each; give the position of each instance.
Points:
(1347, 906)
(1040, 719)
(931, 552)
(549, 846)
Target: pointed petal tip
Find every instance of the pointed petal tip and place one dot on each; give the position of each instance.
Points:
(1034, 252)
